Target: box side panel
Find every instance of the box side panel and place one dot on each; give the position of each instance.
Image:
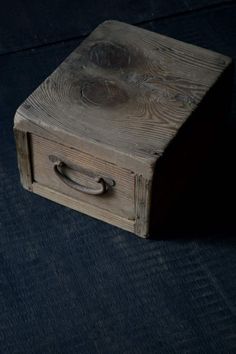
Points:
(179, 191)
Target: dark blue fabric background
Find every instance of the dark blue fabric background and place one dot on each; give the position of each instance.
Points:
(72, 284)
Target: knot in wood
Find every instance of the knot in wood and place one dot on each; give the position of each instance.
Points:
(109, 55)
(103, 93)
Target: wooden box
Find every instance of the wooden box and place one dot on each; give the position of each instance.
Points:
(119, 128)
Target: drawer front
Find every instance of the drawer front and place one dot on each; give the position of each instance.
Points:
(77, 177)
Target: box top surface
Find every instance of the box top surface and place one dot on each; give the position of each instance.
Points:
(126, 88)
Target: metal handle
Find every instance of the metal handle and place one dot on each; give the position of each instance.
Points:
(102, 186)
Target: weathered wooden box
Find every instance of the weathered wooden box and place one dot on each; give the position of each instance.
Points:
(119, 128)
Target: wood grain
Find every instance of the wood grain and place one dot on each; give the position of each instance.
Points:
(118, 200)
(143, 189)
(23, 158)
(113, 108)
(83, 207)
(131, 93)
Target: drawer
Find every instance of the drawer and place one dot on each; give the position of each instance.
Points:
(94, 185)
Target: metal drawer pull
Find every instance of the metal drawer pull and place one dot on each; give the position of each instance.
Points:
(101, 183)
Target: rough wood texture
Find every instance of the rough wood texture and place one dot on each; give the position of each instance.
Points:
(121, 99)
(83, 207)
(142, 205)
(23, 157)
(130, 92)
(118, 200)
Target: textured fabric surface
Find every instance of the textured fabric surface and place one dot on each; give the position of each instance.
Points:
(72, 284)
(26, 24)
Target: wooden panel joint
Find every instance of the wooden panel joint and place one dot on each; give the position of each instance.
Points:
(142, 205)
(23, 158)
